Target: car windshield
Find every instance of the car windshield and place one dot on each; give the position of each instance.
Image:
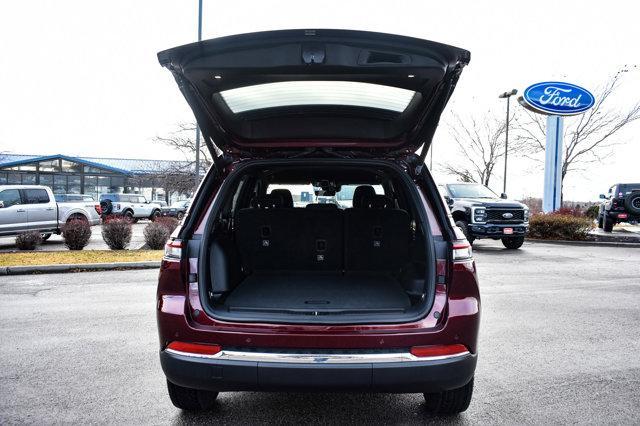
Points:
(474, 190)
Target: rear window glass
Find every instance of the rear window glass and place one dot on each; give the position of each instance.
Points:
(36, 196)
(306, 194)
(292, 93)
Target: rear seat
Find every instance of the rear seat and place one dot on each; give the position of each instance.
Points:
(373, 235)
(376, 233)
(271, 236)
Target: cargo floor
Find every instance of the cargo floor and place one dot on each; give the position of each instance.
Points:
(312, 291)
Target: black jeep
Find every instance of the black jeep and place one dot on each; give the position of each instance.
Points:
(480, 213)
(621, 204)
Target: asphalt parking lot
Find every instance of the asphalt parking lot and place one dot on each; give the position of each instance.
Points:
(558, 344)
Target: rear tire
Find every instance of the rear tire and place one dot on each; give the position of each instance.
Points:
(449, 402)
(128, 215)
(607, 223)
(154, 215)
(465, 230)
(513, 243)
(191, 399)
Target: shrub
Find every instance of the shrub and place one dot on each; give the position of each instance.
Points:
(28, 240)
(171, 223)
(76, 234)
(556, 226)
(156, 235)
(116, 232)
(592, 212)
(569, 211)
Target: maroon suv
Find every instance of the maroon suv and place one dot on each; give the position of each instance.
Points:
(317, 253)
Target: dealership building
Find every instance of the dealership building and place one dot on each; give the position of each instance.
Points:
(94, 176)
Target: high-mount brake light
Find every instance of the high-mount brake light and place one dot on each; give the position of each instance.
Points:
(462, 251)
(173, 251)
(439, 350)
(194, 348)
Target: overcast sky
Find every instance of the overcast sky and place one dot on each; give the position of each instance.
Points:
(82, 78)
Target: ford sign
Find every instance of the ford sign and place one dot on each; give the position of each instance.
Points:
(557, 98)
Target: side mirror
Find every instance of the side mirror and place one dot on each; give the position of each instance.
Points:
(503, 196)
(603, 197)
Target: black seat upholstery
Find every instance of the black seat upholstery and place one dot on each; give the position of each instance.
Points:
(322, 206)
(362, 193)
(376, 235)
(285, 197)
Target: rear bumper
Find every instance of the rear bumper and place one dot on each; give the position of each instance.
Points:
(493, 230)
(318, 373)
(623, 217)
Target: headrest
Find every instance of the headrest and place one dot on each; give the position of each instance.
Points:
(360, 194)
(285, 197)
(324, 206)
(268, 201)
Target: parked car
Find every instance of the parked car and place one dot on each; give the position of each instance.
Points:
(481, 213)
(256, 294)
(34, 208)
(620, 204)
(69, 198)
(177, 209)
(131, 206)
(161, 203)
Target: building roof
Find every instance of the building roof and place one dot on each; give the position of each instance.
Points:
(118, 165)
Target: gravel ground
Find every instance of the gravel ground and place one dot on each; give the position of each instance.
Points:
(558, 344)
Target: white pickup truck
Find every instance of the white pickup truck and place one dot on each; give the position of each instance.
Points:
(34, 208)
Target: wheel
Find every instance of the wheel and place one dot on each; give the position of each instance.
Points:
(465, 229)
(191, 399)
(128, 215)
(607, 223)
(154, 215)
(45, 236)
(600, 221)
(180, 215)
(106, 206)
(449, 402)
(513, 243)
(632, 202)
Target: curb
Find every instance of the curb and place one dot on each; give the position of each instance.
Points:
(76, 267)
(585, 243)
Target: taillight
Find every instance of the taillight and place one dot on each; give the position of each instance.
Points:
(194, 348)
(438, 350)
(462, 251)
(173, 251)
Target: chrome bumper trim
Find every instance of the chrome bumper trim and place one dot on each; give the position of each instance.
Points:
(311, 358)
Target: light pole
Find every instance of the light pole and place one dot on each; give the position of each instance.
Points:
(506, 139)
(197, 177)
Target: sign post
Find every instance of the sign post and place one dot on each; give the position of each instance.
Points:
(551, 200)
(556, 100)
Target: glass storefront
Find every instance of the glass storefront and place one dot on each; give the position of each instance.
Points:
(64, 176)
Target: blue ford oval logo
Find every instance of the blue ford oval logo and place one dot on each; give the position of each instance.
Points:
(555, 97)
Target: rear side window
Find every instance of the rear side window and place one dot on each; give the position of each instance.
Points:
(36, 196)
(10, 197)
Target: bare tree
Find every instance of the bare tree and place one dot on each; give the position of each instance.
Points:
(183, 140)
(588, 138)
(480, 143)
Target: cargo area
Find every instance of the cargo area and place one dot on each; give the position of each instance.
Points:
(351, 248)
